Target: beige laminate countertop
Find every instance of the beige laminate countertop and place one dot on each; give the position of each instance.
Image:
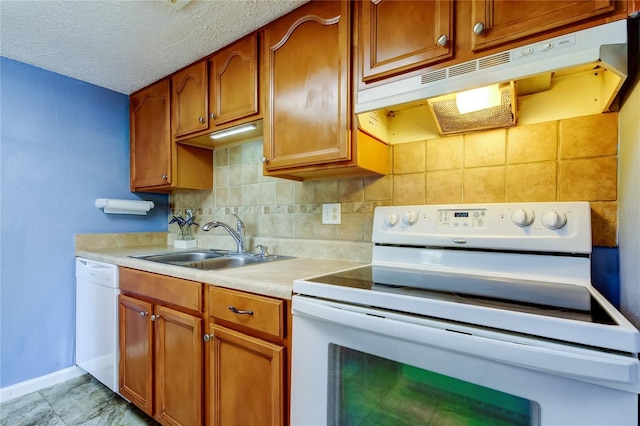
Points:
(270, 279)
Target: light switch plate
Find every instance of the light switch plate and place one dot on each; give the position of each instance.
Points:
(331, 214)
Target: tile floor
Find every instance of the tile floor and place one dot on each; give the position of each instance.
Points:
(79, 401)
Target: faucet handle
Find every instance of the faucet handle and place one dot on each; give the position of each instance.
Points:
(242, 245)
(239, 223)
(263, 250)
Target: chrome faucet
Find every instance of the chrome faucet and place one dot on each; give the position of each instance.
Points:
(237, 235)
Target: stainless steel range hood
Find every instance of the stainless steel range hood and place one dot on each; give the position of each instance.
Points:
(572, 75)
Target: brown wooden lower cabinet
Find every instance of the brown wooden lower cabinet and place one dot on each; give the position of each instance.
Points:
(178, 372)
(161, 361)
(246, 379)
(237, 374)
(136, 352)
(246, 359)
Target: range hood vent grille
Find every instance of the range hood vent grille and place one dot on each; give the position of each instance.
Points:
(466, 68)
(494, 61)
(461, 69)
(434, 76)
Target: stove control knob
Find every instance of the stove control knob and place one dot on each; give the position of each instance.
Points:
(523, 218)
(554, 220)
(391, 219)
(410, 218)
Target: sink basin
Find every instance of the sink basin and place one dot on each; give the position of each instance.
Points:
(232, 261)
(210, 259)
(193, 256)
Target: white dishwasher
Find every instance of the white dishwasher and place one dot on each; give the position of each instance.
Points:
(97, 293)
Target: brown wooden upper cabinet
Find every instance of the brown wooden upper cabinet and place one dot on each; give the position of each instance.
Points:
(396, 36)
(150, 138)
(157, 163)
(308, 118)
(189, 100)
(500, 22)
(218, 92)
(234, 84)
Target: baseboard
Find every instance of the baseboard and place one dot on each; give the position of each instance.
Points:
(33, 385)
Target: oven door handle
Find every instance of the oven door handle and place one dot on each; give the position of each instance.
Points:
(616, 371)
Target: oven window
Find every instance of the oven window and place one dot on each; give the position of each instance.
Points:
(368, 390)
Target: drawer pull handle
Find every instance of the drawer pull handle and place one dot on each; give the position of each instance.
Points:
(239, 312)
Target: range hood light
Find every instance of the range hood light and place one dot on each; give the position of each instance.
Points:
(478, 99)
(483, 113)
(234, 131)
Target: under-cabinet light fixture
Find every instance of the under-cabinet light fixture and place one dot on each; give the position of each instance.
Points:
(234, 131)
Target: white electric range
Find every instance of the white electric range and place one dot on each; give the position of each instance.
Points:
(487, 309)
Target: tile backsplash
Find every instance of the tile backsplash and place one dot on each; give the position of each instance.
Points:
(565, 160)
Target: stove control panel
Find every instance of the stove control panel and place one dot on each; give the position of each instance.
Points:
(461, 218)
(545, 226)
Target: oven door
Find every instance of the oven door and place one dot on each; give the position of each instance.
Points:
(355, 365)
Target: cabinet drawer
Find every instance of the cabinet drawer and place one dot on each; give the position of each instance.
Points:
(259, 313)
(175, 291)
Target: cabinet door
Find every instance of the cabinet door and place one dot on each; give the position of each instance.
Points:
(150, 136)
(247, 379)
(136, 362)
(307, 116)
(178, 367)
(189, 100)
(233, 82)
(497, 22)
(397, 36)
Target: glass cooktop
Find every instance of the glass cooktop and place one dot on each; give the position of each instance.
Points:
(535, 297)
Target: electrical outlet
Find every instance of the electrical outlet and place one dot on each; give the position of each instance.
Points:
(331, 214)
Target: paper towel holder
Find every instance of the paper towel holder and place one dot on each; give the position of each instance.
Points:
(114, 206)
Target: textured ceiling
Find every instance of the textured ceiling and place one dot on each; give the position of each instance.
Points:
(124, 45)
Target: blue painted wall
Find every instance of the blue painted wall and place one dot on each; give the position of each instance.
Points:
(63, 143)
(605, 273)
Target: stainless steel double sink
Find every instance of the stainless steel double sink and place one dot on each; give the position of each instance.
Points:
(210, 259)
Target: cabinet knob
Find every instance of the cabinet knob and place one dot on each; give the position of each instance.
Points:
(155, 317)
(239, 312)
(264, 160)
(165, 177)
(207, 337)
(212, 115)
(478, 28)
(143, 314)
(201, 119)
(443, 40)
